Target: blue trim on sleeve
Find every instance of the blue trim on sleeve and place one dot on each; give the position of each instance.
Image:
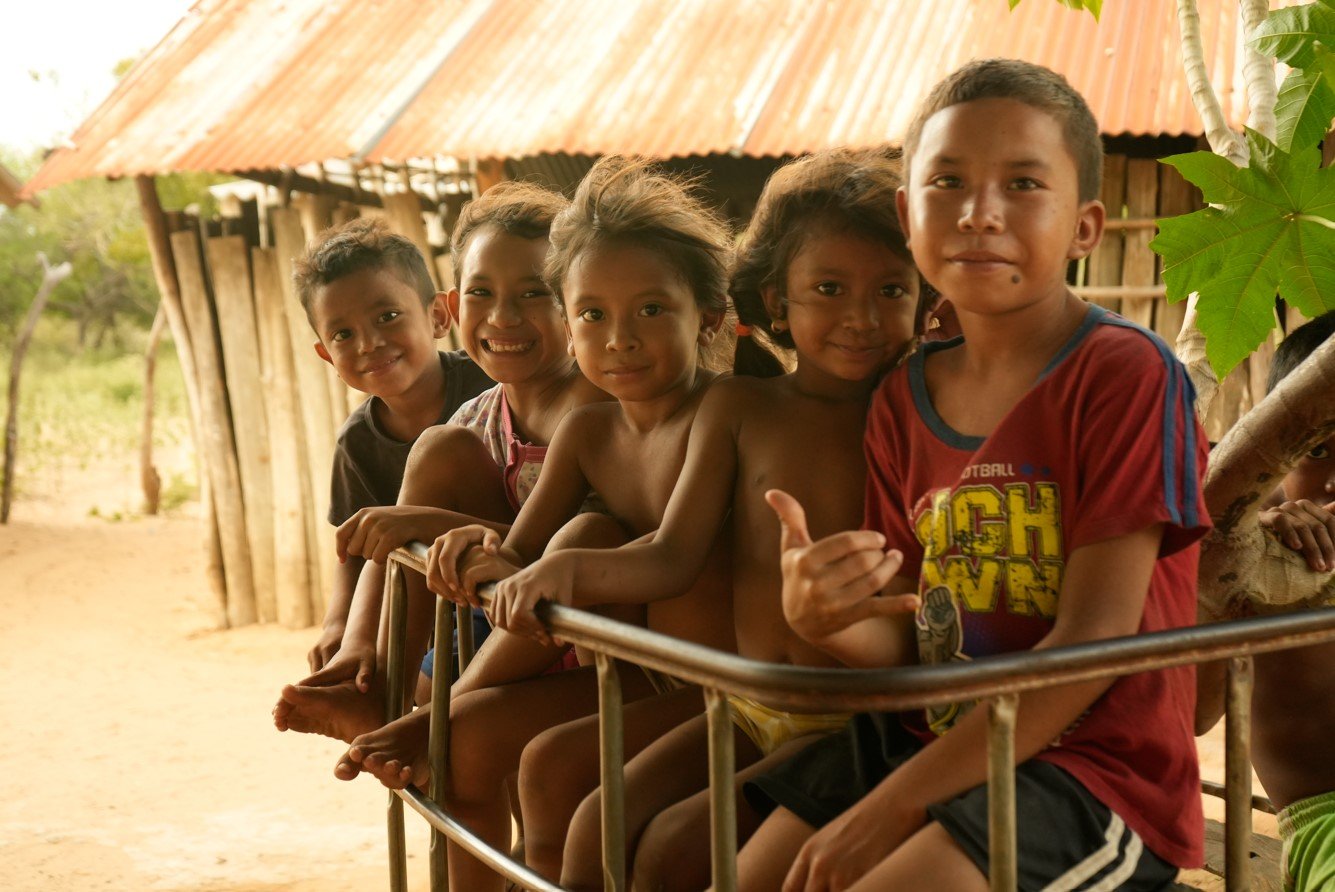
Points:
(1179, 399)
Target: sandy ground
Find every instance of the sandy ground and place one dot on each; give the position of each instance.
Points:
(140, 753)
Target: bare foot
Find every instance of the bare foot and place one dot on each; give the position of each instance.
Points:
(339, 711)
(395, 753)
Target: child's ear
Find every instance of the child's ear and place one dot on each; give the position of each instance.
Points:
(1088, 229)
(710, 323)
(440, 314)
(902, 211)
(570, 339)
(773, 301)
(321, 352)
(452, 305)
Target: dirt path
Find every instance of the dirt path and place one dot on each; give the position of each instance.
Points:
(140, 753)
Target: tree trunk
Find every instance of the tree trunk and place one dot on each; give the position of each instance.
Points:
(51, 277)
(1222, 139)
(148, 474)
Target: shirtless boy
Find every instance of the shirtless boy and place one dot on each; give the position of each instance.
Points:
(1293, 700)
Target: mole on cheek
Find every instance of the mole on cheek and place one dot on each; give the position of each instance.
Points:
(1015, 279)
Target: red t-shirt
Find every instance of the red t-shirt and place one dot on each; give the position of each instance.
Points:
(1105, 443)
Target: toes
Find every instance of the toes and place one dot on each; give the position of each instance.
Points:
(347, 768)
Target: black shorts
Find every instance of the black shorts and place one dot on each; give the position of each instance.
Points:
(1067, 839)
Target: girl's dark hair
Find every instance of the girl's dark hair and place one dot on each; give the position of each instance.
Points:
(515, 207)
(628, 201)
(838, 190)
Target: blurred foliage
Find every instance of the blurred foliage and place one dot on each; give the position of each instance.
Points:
(96, 226)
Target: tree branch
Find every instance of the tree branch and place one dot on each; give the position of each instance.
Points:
(1258, 71)
(1222, 139)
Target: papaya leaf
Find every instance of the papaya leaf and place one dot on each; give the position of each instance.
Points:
(1305, 106)
(1289, 34)
(1095, 7)
(1270, 228)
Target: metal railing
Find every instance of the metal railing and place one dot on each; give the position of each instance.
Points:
(997, 679)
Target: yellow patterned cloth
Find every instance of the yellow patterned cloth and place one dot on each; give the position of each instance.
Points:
(770, 729)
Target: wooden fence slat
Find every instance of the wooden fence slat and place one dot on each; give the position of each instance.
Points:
(316, 410)
(217, 442)
(229, 267)
(169, 293)
(1104, 267)
(1139, 263)
(292, 496)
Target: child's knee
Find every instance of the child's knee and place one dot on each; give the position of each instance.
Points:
(548, 782)
(589, 530)
(663, 856)
(442, 452)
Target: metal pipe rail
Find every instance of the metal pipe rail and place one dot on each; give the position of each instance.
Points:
(997, 679)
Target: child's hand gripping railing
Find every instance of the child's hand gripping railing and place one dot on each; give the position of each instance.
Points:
(999, 680)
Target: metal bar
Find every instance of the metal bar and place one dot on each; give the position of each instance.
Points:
(467, 647)
(611, 749)
(722, 795)
(1001, 843)
(1259, 803)
(396, 589)
(1238, 776)
(438, 747)
(473, 844)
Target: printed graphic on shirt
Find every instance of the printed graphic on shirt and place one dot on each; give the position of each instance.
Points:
(987, 549)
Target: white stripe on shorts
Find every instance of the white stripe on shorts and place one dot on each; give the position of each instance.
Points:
(1099, 860)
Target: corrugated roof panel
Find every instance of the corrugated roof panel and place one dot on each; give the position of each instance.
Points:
(241, 84)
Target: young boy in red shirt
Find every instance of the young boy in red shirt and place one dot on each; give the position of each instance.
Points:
(1035, 483)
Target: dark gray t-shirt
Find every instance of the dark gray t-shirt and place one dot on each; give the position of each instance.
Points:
(368, 463)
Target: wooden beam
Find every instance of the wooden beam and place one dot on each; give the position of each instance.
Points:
(302, 183)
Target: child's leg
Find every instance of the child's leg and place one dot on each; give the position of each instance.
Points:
(764, 861)
(672, 768)
(448, 467)
(560, 768)
(929, 859)
(674, 851)
(488, 732)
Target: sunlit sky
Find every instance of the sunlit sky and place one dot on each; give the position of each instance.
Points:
(58, 55)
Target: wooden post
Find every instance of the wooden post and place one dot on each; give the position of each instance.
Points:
(149, 478)
(315, 405)
(1105, 264)
(218, 443)
(51, 277)
(1138, 261)
(169, 295)
(229, 265)
(292, 497)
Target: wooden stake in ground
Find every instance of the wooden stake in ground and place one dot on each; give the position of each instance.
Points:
(51, 277)
(148, 474)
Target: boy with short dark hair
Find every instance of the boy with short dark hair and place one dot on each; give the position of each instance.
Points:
(377, 314)
(1034, 484)
(1293, 700)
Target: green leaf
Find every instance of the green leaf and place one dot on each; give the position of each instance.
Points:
(1289, 34)
(1094, 6)
(1305, 106)
(1270, 228)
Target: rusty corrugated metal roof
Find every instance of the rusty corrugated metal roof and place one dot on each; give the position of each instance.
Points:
(259, 84)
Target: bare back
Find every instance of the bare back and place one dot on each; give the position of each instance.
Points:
(1293, 714)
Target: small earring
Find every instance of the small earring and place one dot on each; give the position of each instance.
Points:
(933, 323)
(779, 325)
